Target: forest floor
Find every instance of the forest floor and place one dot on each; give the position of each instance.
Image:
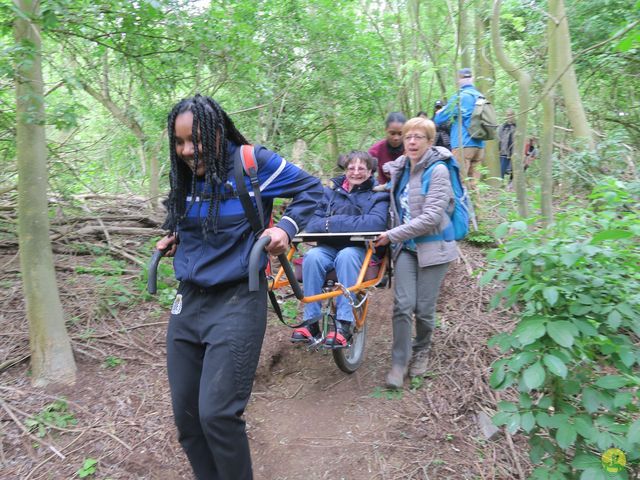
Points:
(306, 418)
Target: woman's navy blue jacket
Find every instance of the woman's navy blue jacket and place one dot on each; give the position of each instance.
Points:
(361, 210)
(206, 257)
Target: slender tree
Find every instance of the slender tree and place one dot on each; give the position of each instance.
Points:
(51, 355)
(485, 79)
(548, 125)
(524, 83)
(561, 39)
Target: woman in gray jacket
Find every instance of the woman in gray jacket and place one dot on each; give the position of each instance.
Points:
(419, 214)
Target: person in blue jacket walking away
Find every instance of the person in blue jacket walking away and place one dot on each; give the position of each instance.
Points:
(217, 326)
(458, 110)
(348, 205)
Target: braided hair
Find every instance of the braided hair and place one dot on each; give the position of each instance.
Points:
(212, 127)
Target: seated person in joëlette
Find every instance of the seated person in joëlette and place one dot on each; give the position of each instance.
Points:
(348, 205)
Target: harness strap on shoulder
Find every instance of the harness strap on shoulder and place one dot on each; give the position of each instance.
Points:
(256, 219)
(245, 164)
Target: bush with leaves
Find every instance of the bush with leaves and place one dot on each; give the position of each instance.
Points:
(574, 355)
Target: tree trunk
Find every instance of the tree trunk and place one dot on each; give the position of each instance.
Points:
(524, 83)
(464, 46)
(485, 79)
(548, 122)
(569, 81)
(51, 355)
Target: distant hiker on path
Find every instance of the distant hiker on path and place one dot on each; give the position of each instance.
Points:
(506, 139)
(217, 325)
(391, 147)
(458, 110)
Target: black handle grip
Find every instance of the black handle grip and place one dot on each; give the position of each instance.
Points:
(254, 267)
(152, 279)
(293, 281)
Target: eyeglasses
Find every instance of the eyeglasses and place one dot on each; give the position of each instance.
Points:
(357, 169)
(415, 137)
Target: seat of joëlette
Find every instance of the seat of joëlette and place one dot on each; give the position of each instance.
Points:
(374, 264)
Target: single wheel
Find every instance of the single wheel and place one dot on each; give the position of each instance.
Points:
(349, 359)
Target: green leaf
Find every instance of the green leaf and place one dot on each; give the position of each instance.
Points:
(498, 374)
(584, 427)
(487, 277)
(534, 376)
(519, 225)
(633, 436)
(611, 235)
(501, 230)
(528, 331)
(562, 332)
(566, 435)
(622, 399)
(501, 418)
(550, 294)
(583, 461)
(611, 382)
(507, 407)
(555, 365)
(594, 473)
(590, 400)
(614, 319)
(527, 421)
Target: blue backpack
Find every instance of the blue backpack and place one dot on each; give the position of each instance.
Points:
(459, 226)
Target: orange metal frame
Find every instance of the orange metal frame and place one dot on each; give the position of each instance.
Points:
(280, 280)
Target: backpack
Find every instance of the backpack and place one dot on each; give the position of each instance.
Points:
(484, 122)
(462, 211)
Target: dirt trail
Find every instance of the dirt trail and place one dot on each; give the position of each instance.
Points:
(306, 419)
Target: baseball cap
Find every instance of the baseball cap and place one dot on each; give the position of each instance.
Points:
(438, 103)
(464, 73)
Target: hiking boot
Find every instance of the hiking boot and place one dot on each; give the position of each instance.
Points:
(342, 335)
(307, 332)
(395, 377)
(419, 363)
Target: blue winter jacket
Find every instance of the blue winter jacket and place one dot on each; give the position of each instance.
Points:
(360, 210)
(219, 253)
(467, 96)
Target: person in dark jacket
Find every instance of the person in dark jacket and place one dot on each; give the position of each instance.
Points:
(391, 147)
(506, 140)
(349, 205)
(217, 325)
(443, 131)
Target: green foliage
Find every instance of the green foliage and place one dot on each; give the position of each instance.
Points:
(104, 265)
(112, 362)
(89, 467)
(290, 309)
(480, 237)
(386, 394)
(574, 354)
(55, 414)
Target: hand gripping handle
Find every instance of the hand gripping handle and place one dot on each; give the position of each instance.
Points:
(255, 263)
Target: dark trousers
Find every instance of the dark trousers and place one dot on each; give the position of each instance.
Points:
(213, 346)
(505, 165)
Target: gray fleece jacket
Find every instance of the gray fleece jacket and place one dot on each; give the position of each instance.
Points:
(429, 213)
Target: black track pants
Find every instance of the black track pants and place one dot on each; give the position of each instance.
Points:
(213, 345)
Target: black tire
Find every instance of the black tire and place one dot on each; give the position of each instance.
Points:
(349, 359)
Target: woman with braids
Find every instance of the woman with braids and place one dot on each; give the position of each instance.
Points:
(216, 326)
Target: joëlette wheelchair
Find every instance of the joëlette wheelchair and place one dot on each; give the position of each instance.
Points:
(348, 358)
